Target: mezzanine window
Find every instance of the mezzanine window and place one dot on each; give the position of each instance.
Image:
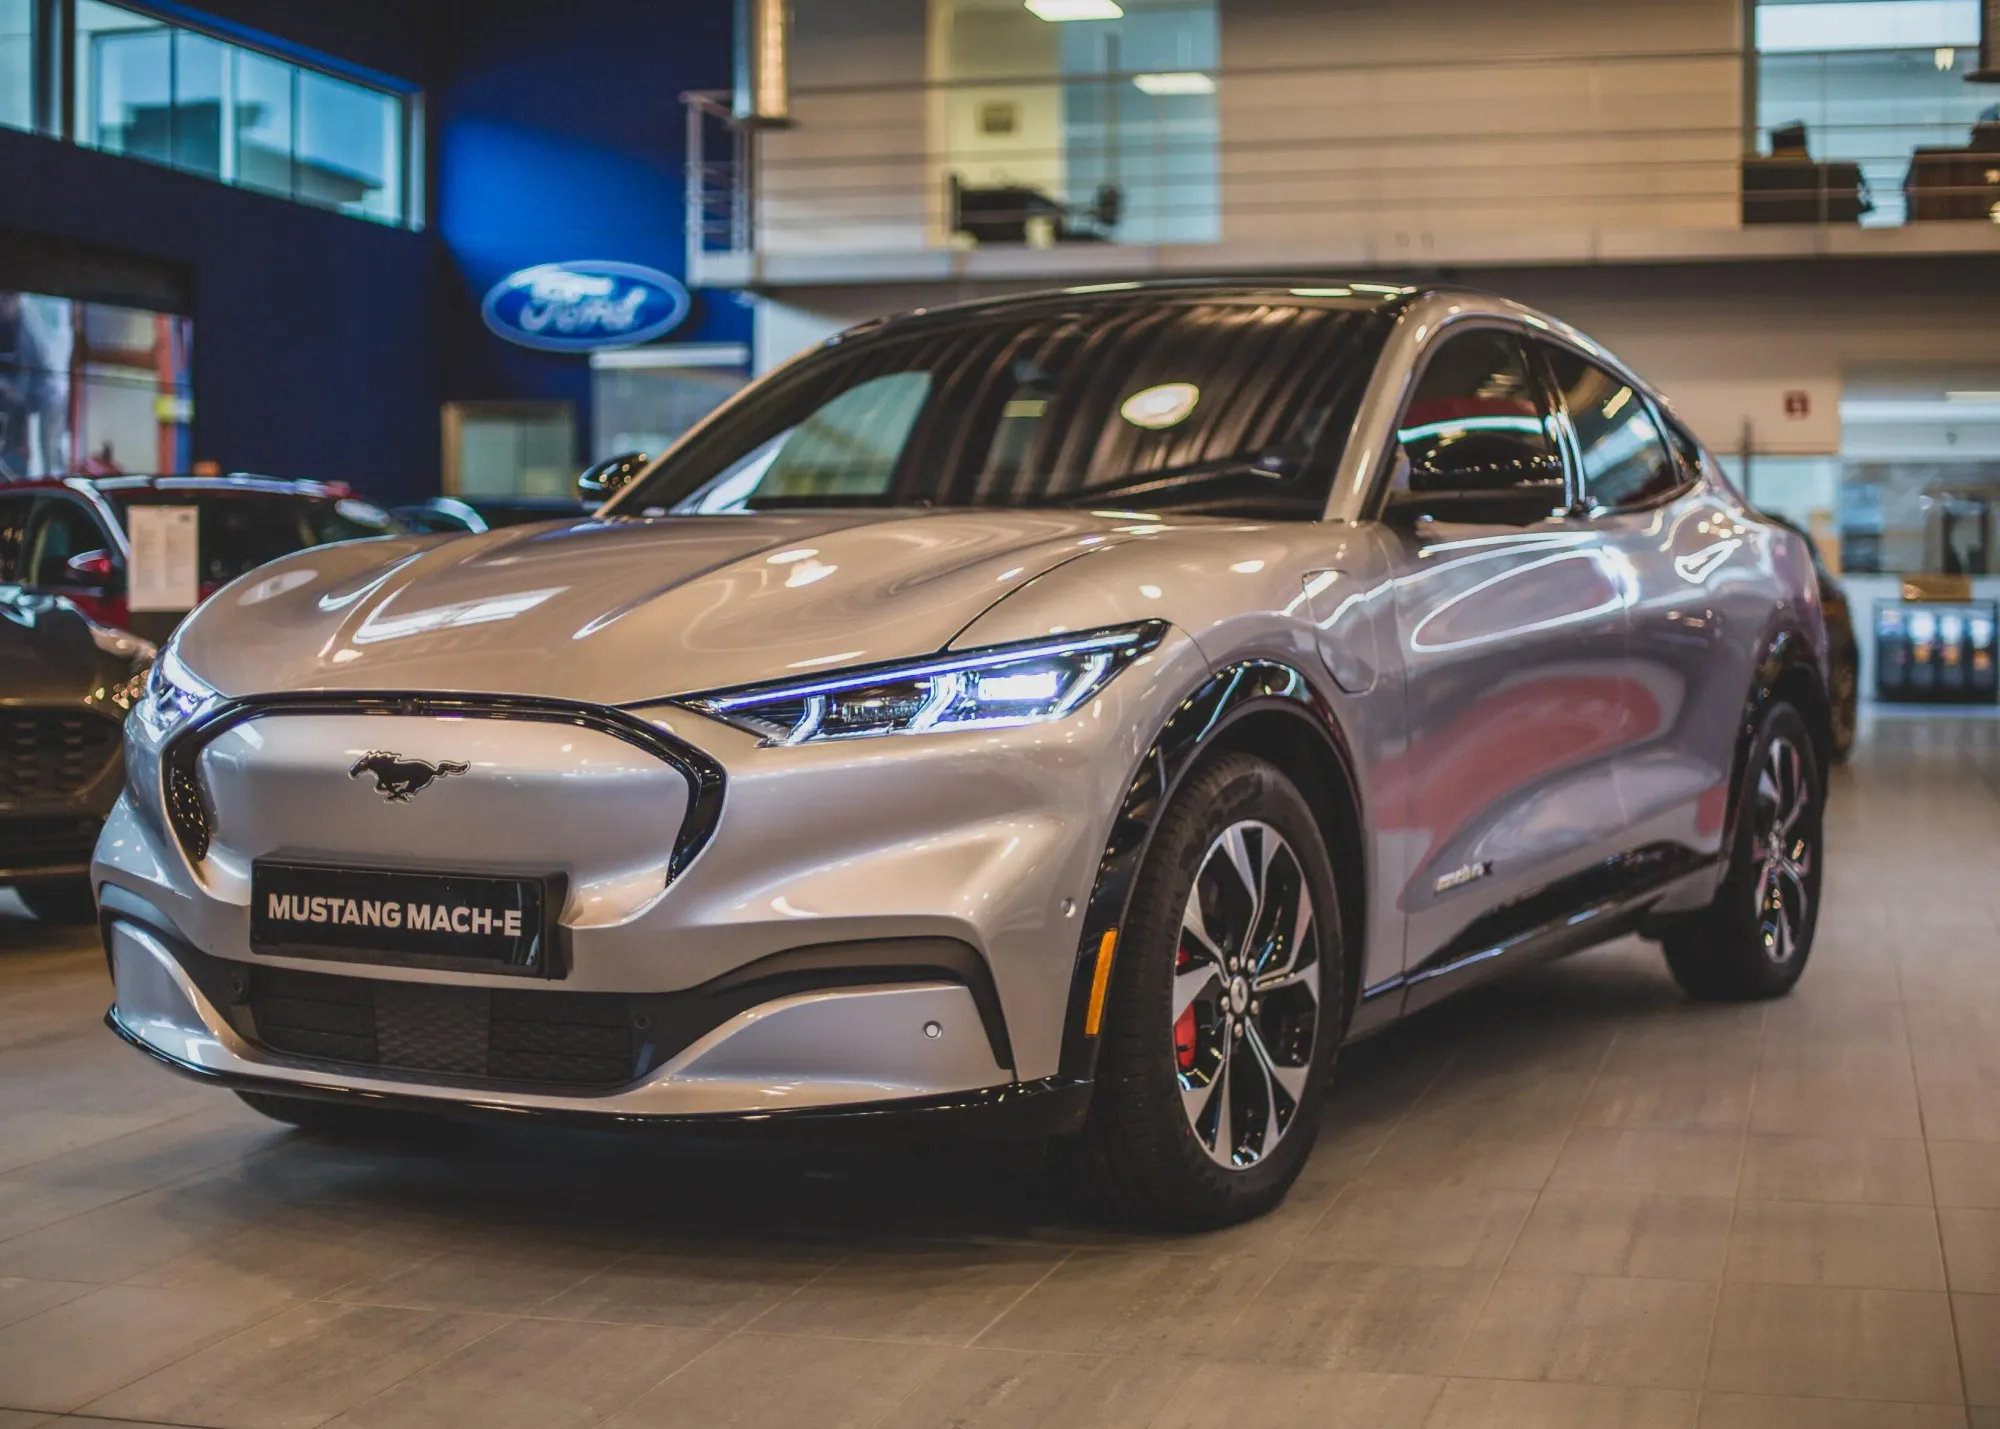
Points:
(129, 81)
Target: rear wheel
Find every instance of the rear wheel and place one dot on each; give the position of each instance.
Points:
(1224, 1008)
(1753, 941)
(59, 900)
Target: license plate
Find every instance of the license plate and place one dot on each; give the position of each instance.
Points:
(444, 920)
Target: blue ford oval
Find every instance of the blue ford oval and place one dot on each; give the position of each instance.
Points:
(575, 307)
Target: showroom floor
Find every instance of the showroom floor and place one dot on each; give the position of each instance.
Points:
(1572, 1199)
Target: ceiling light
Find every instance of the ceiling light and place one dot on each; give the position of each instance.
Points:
(1974, 396)
(1174, 82)
(1058, 11)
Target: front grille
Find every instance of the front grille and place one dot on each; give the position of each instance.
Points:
(46, 843)
(52, 753)
(569, 1039)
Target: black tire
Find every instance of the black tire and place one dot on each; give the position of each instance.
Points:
(59, 900)
(1753, 941)
(1141, 1145)
(335, 1120)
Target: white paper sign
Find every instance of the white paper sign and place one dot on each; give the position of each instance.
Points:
(165, 573)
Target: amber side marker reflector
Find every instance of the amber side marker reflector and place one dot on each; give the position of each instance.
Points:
(1100, 983)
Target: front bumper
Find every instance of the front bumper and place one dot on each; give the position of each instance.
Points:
(803, 1056)
(848, 856)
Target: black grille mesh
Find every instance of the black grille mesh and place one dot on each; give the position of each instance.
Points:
(52, 753)
(571, 1039)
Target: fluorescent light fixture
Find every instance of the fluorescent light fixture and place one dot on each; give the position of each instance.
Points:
(1058, 11)
(1185, 81)
(1972, 396)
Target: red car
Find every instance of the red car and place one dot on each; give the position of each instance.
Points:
(67, 535)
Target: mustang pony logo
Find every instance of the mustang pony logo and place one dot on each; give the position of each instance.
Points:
(397, 778)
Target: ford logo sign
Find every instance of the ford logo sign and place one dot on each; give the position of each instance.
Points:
(574, 307)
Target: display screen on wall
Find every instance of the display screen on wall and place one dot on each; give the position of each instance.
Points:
(92, 389)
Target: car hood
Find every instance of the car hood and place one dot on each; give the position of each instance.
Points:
(49, 656)
(625, 610)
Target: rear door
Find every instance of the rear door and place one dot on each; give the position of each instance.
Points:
(1510, 612)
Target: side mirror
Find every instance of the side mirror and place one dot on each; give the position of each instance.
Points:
(605, 479)
(87, 568)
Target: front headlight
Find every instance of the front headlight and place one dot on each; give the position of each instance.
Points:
(1026, 683)
(173, 696)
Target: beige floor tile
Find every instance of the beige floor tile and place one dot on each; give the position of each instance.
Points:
(1834, 1243)
(1835, 1342)
(1133, 1303)
(1519, 1404)
(1825, 1102)
(1717, 1100)
(715, 1288)
(21, 1298)
(937, 1291)
(1971, 1249)
(1625, 1233)
(1027, 1389)
(1822, 1168)
(532, 1374)
(494, 1279)
(1983, 1418)
(752, 1381)
(1279, 1397)
(1967, 1173)
(1677, 1163)
(1380, 1319)
(1761, 1411)
(1592, 1330)
(1434, 1156)
(64, 1357)
(24, 1419)
(1395, 1225)
(297, 1369)
(1978, 1320)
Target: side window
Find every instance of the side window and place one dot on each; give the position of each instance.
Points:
(13, 527)
(1475, 423)
(1625, 462)
(57, 530)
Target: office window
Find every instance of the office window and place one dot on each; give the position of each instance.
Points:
(17, 64)
(1881, 84)
(176, 96)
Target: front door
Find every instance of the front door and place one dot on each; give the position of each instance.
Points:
(1511, 615)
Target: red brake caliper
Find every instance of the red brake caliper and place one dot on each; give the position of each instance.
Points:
(1184, 1024)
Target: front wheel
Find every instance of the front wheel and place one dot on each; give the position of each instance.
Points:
(1753, 941)
(1225, 1005)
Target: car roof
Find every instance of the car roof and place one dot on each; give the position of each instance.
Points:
(236, 483)
(1362, 294)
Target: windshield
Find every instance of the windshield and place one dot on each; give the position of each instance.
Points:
(1195, 407)
(239, 531)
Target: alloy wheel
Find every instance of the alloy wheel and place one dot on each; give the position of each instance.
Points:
(1784, 849)
(1246, 994)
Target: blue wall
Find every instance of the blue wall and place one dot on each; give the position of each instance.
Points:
(325, 344)
(561, 141)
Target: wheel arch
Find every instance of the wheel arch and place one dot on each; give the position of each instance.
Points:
(1788, 671)
(1261, 707)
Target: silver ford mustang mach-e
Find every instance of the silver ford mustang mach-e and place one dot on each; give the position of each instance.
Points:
(1079, 712)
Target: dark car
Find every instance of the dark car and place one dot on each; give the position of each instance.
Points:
(66, 683)
(487, 513)
(1843, 652)
(67, 536)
